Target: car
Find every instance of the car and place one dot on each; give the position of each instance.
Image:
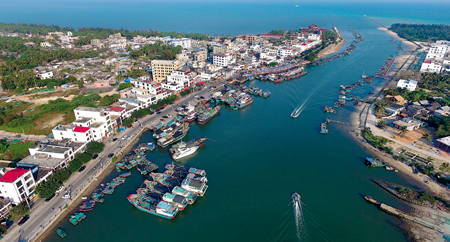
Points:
(168, 115)
(60, 188)
(110, 155)
(23, 219)
(136, 121)
(165, 116)
(131, 126)
(115, 139)
(81, 168)
(50, 198)
(95, 156)
(124, 137)
(202, 97)
(162, 120)
(153, 122)
(158, 112)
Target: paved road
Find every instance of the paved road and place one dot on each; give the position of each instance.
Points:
(41, 214)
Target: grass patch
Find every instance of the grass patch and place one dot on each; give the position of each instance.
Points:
(16, 152)
(56, 94)
(114, 159)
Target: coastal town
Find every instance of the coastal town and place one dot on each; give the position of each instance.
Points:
(78, 115)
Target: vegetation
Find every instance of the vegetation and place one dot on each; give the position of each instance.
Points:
(403, 130)
(442, 126)
(18, 211)
(163, 102)
(185, 92)
(127, 122)
(157, 52)
(330, 35)
(141, 113)
(14, 152)
(277, 31)
(114, 159)
(422, 32)
(109, 99)
(377, 141)
(273, 63)
(123, 86)
(379, 108)
(425, 196)
(381, 123)
(47, 188)
(94, 147)
(427, 136)
(80, 159)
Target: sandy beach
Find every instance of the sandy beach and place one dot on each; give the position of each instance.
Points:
(412, 45)
(331, 49)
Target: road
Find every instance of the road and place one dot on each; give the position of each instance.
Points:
(41, 214)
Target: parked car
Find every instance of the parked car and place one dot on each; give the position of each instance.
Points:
(82, 168)
(168, 115)
(23, 219)
(60, 189)
(110, 155)
(115, 139)
(50, 198)
(124, 137)
(158, 112)
(165, 116)
(95, 156)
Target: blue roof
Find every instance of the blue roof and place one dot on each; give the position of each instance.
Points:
(129, 79)
(122, 59)
(126, 53)
(149, 69)
(167, 37)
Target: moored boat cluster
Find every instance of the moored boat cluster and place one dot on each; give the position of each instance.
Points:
(165, 194)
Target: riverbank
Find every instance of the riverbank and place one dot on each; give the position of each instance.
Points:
(411, 45)
(331, 49)
(418, 181)
(105, 172)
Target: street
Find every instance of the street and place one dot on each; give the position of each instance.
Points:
(41, 215)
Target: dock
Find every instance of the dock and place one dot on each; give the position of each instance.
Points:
(329, 120)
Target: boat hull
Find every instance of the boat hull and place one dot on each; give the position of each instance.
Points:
(146, 210)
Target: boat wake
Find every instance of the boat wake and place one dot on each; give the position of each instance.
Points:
(298, 215)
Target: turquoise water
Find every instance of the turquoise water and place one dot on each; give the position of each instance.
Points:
(259, 155)
(215, 17)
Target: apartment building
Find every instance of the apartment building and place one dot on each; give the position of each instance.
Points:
(162, 68)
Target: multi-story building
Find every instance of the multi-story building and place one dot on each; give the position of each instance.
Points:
(154, 88)
(45, 75)
(162, 68)
(17, 185)
(223, 59)
(73, 133)
(285, 52)
(180, 77)
(185, 43)
(219, 49)
(431, 66)
(408, 84)
(5, 206)
(201, 55)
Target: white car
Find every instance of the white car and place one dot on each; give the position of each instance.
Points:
(124, 137)
(60, 189)
(168, 115)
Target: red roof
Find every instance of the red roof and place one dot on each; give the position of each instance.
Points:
(80, 129)
(303, 44)
(427, 61)
(11, 176)
(116, 109)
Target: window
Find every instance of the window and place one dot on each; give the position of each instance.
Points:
(60, 133)
(28, 177)
(19, 184)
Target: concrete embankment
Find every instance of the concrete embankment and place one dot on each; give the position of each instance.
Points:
(396, 212)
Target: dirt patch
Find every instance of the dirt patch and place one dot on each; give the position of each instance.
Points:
(410, 136)
(45, 123)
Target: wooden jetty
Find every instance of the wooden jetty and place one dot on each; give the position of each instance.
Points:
(329, 120)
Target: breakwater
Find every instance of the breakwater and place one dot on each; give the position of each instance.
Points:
(346, 52)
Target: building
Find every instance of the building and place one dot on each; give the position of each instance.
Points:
(45, 44)
(45, 75)
(222, 59)
(95, 41)
(431, 66)
(410, 123)
(408, 84)
(185, 43)
(5, 206)
(162, 68)
(398, 100)
(17, 185)
(219, 49)
(443, 143)
(180, 77)
(73, 133)
(285, 52)
(153, 88)
(97, 119)
(201, 55)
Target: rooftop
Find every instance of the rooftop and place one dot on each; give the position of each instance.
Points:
(88, 109)
(13, 175)
(445, 140)
(41, 160)
(116, 109)
(80, 129)
(52, 148)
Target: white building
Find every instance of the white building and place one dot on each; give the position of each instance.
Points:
(185, 43)
(97, 119)
(180, 77)
(431, 66)
(45, 44)
(223, 59)
(73, 133)
(152, 87)
(285, 52)
(437, 51)
(45, 75)
(17, 185)
(408, 84)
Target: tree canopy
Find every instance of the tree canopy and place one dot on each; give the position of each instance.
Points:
(94, 147)
(422, 32)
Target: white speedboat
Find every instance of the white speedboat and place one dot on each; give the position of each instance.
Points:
(295, 113)
(183, 152)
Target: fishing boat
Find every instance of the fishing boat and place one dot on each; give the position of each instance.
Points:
(371, 200)
(76, 218)
(207, 115)
(180, 153)
(61, 233)
(375, 162)
(151, 146)
(150, 205)
(191, 197)
(126, 174)
(296, 197)
(178, 200)
(166, 141)
(295, 113)
(339, 103)
(244, 101)
(194, 186)
(323, 128)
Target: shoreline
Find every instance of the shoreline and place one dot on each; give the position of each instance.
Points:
(411, 45)
(416, 181)
(103, 174)
(331, 49)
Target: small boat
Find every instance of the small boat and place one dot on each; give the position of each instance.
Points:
(371, 200)
(61, 233)
(296, 197)
(375, 162)
(389, 168)
(126, 174)
(295, 113)
(76, 218)
(323, 128)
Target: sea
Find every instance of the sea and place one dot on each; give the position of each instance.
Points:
(255, 158)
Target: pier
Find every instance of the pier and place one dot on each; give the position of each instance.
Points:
(328, 121)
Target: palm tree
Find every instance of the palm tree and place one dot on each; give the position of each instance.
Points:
(403, 130)
(119, 77)
(381, 123)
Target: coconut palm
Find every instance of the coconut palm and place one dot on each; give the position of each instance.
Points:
(403, 130)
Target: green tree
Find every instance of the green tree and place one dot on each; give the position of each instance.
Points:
(18, 211)
(124, 86)
(381, 123)
(47, 188)
(60, 175)
(83, 157)
(127, 122)
(94, 147)
(403, 130)
(427, 136)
